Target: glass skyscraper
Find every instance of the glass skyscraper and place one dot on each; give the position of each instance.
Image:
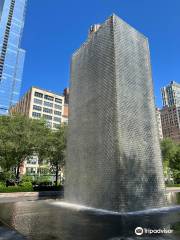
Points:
(12, 15)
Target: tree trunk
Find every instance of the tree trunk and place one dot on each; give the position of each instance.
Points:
(14, 171)
(57, 172)
(18, 172)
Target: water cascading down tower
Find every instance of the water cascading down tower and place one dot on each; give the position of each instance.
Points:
(113, 155)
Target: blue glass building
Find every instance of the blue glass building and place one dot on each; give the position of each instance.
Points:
(12, 15)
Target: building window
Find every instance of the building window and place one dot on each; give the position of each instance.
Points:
(48, 97)
(30, 170)
(48, 117)
(38, 108)
(38, 101)
(55, 125)
(48, 104)
(49, 124)
(58, 106)
(37, 94)
(32, 161)
(57, 119)
(58, 100)
(35, 114)
(47, 110)
(57, 113)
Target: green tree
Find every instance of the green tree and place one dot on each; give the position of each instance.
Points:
(20, 137)
(174, 165)
(54, 151)
(171, 158)
(168, 148)
(7, 159)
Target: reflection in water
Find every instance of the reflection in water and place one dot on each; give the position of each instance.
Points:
(173, 198)
(46, 220)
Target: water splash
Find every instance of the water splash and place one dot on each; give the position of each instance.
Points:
(78, 207)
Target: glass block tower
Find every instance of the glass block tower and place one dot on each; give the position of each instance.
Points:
(12, 13)
(113, 156)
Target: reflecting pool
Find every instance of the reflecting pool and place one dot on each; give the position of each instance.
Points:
(54, 219)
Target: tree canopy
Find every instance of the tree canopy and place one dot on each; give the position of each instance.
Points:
(171, 159)
(20, 137)
(55, 151)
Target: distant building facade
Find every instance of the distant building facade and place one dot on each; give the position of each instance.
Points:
(66, 105)
(170, 113)
(30, 166)
(66, 95)
(159, 124)
(170, 118)
(38, 103)
(171, 94)
(65, 113)
(12, 15)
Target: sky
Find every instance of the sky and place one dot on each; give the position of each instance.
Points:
(54, 29)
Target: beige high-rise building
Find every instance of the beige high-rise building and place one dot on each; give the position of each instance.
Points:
(38, 103)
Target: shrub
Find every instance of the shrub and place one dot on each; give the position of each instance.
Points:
(26, 178)
(27, 185)
(42, 179)
(6, 175)
(2, 184)
(16, 189)
(23, 187)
